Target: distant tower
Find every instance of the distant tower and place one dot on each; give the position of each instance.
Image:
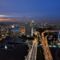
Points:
(32, 29)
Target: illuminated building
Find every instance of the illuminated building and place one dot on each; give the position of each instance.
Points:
(22, 30)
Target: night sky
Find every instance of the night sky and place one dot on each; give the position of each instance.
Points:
(32, 8)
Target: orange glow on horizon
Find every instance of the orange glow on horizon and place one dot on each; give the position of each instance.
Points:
(3, 19)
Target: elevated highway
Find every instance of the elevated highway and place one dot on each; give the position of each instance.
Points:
(33, 51)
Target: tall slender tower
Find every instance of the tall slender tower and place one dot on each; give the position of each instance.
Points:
(32, 29)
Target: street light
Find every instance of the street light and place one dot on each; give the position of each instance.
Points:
(5, 47)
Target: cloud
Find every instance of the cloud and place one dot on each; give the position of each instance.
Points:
(4, 16)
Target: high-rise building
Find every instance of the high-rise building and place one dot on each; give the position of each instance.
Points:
(32, 27)
(22, 30)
